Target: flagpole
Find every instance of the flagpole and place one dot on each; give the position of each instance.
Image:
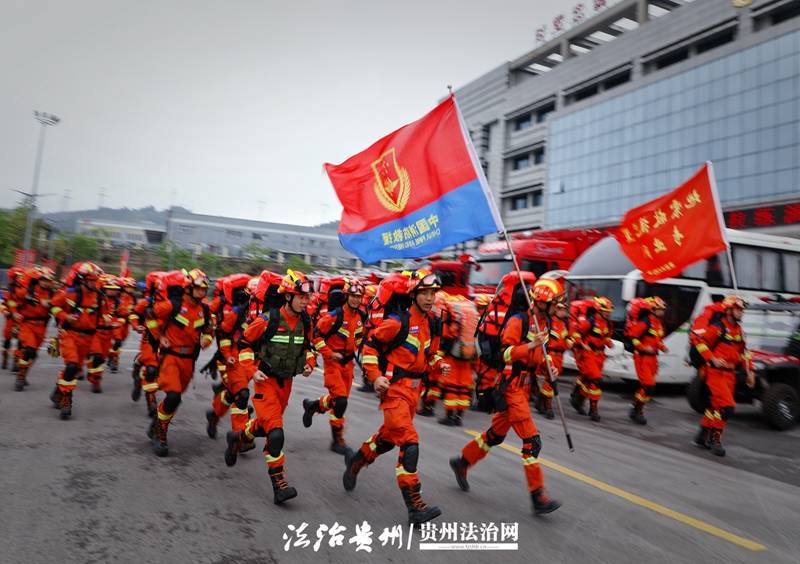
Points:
(498, 219)
(721, 220)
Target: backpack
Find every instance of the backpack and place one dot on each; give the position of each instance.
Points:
(638, 310)
(509, 299)
(266, 297)
(712, 315)
(461, 316)
(578, 309)
(330, 296)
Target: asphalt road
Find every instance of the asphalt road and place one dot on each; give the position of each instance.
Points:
(90, 490)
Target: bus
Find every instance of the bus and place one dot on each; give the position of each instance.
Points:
(767, 269)
(537, 252)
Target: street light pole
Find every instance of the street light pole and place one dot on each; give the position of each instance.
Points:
(44, 119)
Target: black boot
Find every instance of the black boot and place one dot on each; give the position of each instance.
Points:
(113, 365)
(418, 510)
(576, 400)
(636, 413)
(310, 407)
(65, 405)
(211, 424)
(337, 441)
(460, 466)
(234, 441)
(283, 491)
(542, 503)
(449, 419)
(55, 398)
(15, 365)
(354, 462)
(152, 404)
(158, 436)
(703, 437)
(426, 410)
(20, 383)
(594, 415)
(136, 393)
(5, 359)
(458, 419)
(246, 446)
(715, 443)
(366, 387)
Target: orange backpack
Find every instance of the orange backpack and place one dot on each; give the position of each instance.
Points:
(460, 316)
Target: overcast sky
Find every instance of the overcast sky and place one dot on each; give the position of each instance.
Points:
(231, 102)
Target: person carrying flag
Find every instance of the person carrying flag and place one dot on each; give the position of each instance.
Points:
(522, 352)
(337, 337)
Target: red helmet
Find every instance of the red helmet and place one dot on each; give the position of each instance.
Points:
(547, 290)
(657, 303)
(252, 286)
(108, 282)
(295, 283)
(734, 302)
(423, 279)
(87, 270)
(353, 287)
(175, 278)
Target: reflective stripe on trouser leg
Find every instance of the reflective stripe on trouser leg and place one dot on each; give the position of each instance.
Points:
(239, 418)
(336, 422)
(274, 461)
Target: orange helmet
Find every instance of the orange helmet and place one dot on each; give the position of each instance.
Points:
(603, 304)
(657, 303)
(295, 283)
(734, 302)
(108, 282)
(423, 279)
(547, 290)
(198, 279)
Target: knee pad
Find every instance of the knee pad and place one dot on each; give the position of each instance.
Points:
(151, 373)
(382, 447)
(649, 390)
(172, 401)
(726, 412)
(532, 446)
(410, 457)
(28, 353)
(339, 406)
(97, 360)
(117, 344)
(275, 442)
(7, 344)
(241, 398)
(71, 372)
(492, 439)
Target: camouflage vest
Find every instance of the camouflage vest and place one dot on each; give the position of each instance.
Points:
(284, 353)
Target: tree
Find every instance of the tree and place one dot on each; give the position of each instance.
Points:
(296, 262)
(12, 232)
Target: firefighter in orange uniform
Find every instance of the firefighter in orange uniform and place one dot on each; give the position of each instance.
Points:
(522, 352)
(33, 296)
(723, 348)
(397, 357)
(233, 393)
(77, 309)
(559, 342)
(145, 368)
(123, 311)
(187, 329)
(591, 334)
(10, 329)
(337, 337)
(276, 347)
(107, 324)
(459, 319)
(647, 338)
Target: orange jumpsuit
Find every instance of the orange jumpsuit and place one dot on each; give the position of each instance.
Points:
(10, 327)
(76, 337)
(456, 386)
(597, 335)
(406, 368)
(235, 391)
(558, 343)
(147, 360)
(123, 311)
(101, 342)
(186, 330)
(647, 337)
(725, 342)
(34, 308)
(338, 374)
(521, 364)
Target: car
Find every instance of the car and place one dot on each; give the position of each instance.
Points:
(777, 369)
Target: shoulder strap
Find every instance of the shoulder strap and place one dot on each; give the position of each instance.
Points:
(272, 324)
(336, 324)
(402, 334)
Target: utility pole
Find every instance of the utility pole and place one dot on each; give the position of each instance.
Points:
(45, 120)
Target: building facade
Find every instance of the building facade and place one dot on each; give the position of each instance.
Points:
(628, 104)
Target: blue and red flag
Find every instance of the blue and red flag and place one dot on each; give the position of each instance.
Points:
(414, 192)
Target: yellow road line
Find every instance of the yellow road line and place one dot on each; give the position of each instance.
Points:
(646, 503)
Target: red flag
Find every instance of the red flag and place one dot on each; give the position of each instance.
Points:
(124, 272)
(664, 236)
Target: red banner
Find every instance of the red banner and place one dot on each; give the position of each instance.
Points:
(124, 272)
(664, 236)
(24, 259)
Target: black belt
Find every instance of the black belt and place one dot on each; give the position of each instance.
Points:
(36, 318)
(597, 348)
(178, 354)
(642, 353)
(81, 331)
(398, 373)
